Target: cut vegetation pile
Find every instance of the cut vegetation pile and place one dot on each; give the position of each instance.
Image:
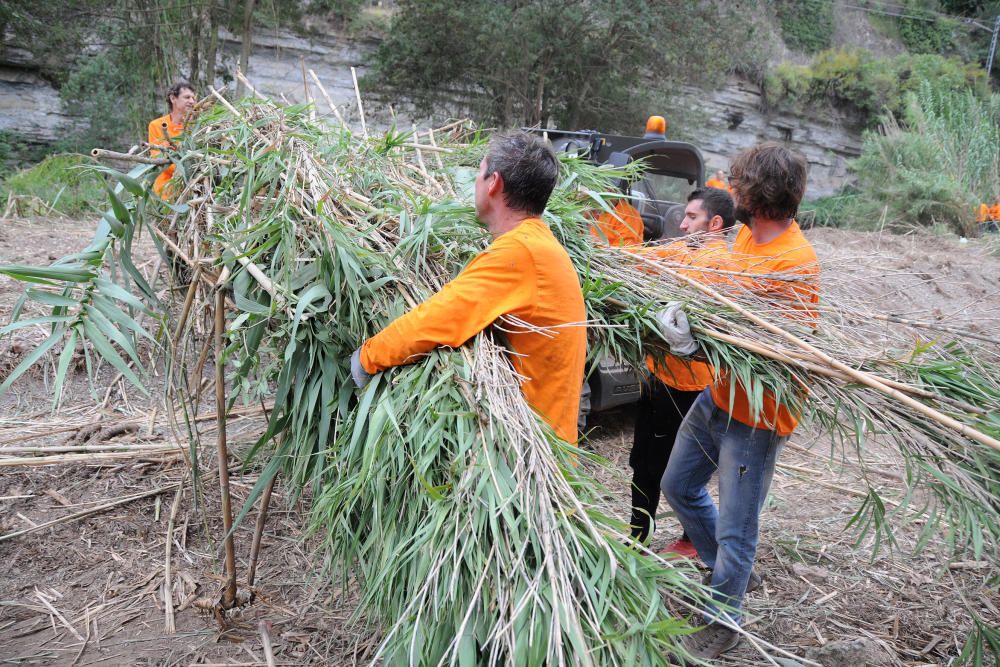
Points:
(471, 531)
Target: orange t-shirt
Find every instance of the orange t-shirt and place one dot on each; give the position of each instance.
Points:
(789, 253)
(156, 137)
(526, 274)
(621, 227)
(995, 211)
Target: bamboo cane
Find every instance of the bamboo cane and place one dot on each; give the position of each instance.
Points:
(229, 594)
(361, 110)
(326, 96)
(258, 533)
(934, 327)
(864, 378)
(101, 154)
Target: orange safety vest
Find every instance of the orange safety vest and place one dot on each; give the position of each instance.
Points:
(526, 274)
(156, 131)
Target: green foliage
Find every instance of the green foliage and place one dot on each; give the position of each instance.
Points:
(18, 152)
(574, 62)
(932, 169)
(866, 86)
(806, 25)
(115, 98)
(65, 182)
(924, 32)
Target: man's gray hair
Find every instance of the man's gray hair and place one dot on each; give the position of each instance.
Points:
(529, 168)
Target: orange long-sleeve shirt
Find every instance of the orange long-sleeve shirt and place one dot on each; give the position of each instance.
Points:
(681, 374)
(526, 274)
(789, 253)
(156, 137)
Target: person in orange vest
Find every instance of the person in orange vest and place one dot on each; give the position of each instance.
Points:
(726, 432)
(621, 226)
(524, 278)
(675, 383)
(984, 213)
(995, 212)
(162, 130)
(718, 181)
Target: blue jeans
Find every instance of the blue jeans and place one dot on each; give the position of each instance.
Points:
(726, 538)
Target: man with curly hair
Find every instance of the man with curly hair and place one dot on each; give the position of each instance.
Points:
(733, 430)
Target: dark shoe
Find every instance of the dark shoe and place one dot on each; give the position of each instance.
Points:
(753, 583)
(710, 642)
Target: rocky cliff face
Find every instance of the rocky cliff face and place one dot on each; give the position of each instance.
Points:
(730, 118)
(734, 117)
(29, 105)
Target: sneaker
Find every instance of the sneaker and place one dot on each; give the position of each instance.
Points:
(753, 583)
(710, 642)
(680, 549)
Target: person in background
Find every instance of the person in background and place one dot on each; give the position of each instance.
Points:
(718, 181)
(162, 130)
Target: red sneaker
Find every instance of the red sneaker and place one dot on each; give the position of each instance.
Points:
(680, 549)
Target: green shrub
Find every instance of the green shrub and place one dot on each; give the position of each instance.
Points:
(866, 86)
(923, 32)
(935, 166)
(63, 182)
(806, 25)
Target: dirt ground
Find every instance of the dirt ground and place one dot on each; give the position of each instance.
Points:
(90, 590)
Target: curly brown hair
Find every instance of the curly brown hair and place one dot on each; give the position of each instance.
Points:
(769, 181)
(175, 91)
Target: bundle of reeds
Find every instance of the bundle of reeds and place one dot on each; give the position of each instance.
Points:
(475, 534)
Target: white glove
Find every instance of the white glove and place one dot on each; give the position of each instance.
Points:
(676, 330)
(358, 373)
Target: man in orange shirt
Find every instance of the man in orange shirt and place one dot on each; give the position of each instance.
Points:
(718, 181)
(676, 382)
(180, 100)
(524, 278)
(724, 431)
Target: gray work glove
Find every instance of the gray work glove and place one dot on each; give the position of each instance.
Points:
(676, 330)
(358, 372)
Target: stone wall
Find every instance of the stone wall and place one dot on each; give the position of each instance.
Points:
(733, 117)
(730, 118)
(29, 105)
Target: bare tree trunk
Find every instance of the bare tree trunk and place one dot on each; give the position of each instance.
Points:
(195, 61)
(213, 44)
(245, 47)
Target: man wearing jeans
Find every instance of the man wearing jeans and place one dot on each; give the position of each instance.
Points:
(724, 431)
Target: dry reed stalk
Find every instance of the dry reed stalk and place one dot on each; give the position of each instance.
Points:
(35, 461)
(326, 96)
(102, 154)
(87, 512)
(361, 110)
(168, 595)
(859, 376)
